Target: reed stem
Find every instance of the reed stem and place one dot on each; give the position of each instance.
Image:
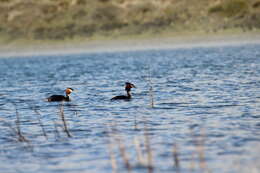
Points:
(21, 138)
(140, 157)
(111, 153)
(124, 154)
(176, 159)
(65, 127)
(150, 166)
(41, 124)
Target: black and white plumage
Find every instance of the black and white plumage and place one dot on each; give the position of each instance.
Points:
(59, 98)
(128, 87)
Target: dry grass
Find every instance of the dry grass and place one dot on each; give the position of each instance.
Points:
(143, 159)
(144, 153)
(66, 19)
(118, 149)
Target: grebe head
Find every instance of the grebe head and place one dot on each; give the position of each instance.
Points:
(68, 91)
(128, 86)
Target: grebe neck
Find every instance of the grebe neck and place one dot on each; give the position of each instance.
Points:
(128, 94)
(67, 97)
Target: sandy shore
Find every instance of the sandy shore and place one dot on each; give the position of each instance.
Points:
(97, 46)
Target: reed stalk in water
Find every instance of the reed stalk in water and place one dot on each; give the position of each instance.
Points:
(18, 130)
(150, 85)
(111, 151)
(201, 151)
(123, 154)
(139, 154)
(65, 127)
(149, 155)
(199, 142)
(135, 123)
(13, 129)
(176, 160)
(121, 147)
(39, 120)
(151, 93)
(41, 124)
(192, 163)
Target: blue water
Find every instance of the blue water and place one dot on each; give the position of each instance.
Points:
(212, 93)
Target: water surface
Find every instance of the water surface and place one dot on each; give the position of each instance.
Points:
(210, 91)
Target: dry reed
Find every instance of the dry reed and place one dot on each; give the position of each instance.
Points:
(123, 154)
(41, 124)
(199, 142)
(65, 127)
(192, 163)
(149, 154)
(135, 123)
(18, 130)
(114, 137)
(151, 95)
(39, 120)
(9, 125)
(201, 151)
(175, 154)
(139, 154)
(112, 157)
(56, 131)
(150, 84)
(111, 150)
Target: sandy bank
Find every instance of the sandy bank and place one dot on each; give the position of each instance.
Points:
(97, 46)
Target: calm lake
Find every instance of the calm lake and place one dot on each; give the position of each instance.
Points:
(206, 102)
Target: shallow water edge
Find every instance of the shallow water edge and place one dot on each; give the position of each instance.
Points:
(128, 44)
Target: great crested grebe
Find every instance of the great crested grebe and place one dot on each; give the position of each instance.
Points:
(128, 87)
(59, 98)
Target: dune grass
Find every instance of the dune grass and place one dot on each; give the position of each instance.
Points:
(70, 19)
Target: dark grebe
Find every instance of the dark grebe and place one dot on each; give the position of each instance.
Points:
(128, 87)
(59, 98)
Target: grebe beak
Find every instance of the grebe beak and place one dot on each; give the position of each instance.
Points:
(133, 86)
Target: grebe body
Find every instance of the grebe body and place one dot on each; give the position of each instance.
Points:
(128, 87)
(59, 98)
(121, 97)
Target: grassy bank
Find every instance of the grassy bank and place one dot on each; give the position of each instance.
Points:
(88, 19)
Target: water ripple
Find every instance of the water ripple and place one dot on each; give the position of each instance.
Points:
(214, 91)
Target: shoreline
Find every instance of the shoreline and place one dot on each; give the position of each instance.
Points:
(168, 41)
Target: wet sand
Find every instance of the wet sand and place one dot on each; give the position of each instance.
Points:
(98, 46)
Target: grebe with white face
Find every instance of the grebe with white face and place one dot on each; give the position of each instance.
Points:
(128, 87)
(59, 98)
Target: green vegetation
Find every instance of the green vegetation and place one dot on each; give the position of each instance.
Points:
(69, 19)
